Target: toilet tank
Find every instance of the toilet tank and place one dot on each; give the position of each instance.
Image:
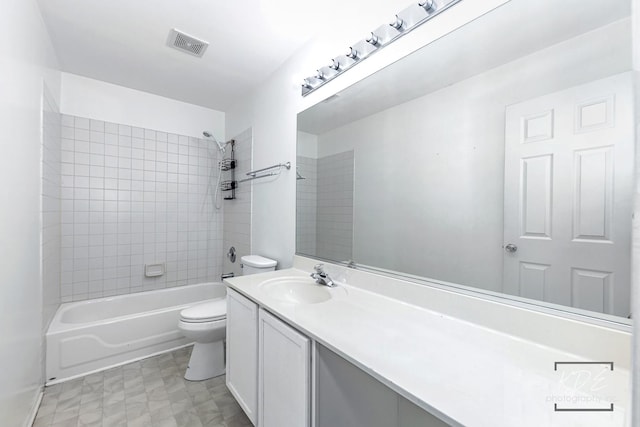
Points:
(252, 264)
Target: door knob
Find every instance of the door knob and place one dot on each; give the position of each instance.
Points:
(511, 248)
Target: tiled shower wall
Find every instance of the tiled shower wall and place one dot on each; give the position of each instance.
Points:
(335, 207)
(306, 205)
(324, 215)
(131, 197)
(237, 212)
(51, 227)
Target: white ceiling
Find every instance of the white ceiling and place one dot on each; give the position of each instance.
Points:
(124, 42)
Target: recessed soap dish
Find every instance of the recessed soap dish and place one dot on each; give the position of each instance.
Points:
(153, 270)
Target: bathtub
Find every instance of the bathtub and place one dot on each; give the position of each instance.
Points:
(93, 335)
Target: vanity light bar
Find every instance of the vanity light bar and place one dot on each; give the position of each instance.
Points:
(405, 21)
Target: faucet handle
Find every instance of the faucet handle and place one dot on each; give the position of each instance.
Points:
(318, 268)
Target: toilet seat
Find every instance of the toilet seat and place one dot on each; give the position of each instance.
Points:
(206, 312)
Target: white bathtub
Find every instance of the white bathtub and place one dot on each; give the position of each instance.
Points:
(93, 335)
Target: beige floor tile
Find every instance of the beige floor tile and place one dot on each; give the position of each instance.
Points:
(147, 393)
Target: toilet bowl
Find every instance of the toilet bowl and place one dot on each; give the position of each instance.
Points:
(205, 324)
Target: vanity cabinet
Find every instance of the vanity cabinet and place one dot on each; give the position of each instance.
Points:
(242, 352)
(284, 384)
(346, 396)
(270, 366)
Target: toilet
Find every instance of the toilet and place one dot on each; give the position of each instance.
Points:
(206, 323)
(252, 264)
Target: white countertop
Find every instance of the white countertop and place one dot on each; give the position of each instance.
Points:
(463, 373)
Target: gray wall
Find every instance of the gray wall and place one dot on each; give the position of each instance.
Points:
(27, 61)
(51, 238)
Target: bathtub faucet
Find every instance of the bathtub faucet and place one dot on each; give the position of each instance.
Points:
(227, 275)
(321, 276)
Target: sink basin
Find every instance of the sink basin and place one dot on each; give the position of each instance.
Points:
(299, 290)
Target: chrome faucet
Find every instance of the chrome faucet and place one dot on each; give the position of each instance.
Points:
(321, 276)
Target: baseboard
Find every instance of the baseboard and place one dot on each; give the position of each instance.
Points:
(34, 409)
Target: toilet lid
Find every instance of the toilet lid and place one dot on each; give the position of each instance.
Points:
(211, 310)
(258, 261)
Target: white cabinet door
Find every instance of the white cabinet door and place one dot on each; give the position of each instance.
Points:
(242, 352)
(568, 192)
(284, 382)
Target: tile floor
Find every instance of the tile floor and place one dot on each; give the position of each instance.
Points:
(147, 393)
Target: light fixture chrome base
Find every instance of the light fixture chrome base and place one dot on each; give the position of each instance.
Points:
(405, 21)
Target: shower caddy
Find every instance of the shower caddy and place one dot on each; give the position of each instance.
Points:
(230, 164)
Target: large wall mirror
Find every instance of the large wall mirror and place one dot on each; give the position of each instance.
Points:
(498, 158)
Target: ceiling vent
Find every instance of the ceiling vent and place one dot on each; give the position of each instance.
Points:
(186, 43)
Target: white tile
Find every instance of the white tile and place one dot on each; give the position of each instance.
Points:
(81, 193)
(111, 128)
(111, 217)
(111, 140)
(129, 204)
(67, 132)
(138, 165)
(111, 150)
(97, 125)
(67, 120)
(110, 183)
(111, 162)
(96, 160)
(137, 153)
(110, 195)
(81, 170)
(111, 172)
(124, 130)
(82, 123)
(97, 137)
(82, 135)
(82, 158)
(81, 217)
(67, 157)
(96, 148)
(67, 144)
(137, 143)
(124, 184)
(96, 170)
(96, 182)
(137, 132)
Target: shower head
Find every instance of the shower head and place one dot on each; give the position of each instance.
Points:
(209, 135)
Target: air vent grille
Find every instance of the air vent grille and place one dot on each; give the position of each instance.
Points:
(186, 43)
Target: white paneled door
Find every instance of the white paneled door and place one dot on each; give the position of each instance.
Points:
(569, 160)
